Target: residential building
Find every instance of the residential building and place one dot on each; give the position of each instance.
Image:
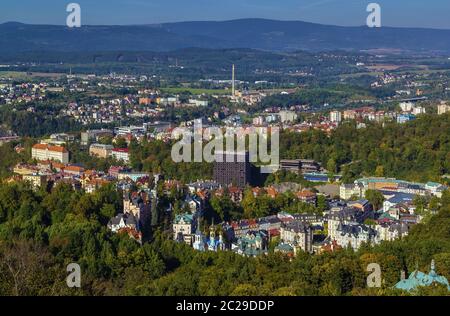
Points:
(73, 170)
(36, 180)
(95, 135)
(48, 152)
(443, 108)
(287, 116)
(121, 154)
(418, 110)
(347, 191)
(362, 205)
(139, 204)
(347, 216)
(122, 221)
(100, 150)
(335, 116)
(298, 235)
(183, 228)
(406, 106)
(133, 176)
(354, 235)
(307, 196)
(259, 120)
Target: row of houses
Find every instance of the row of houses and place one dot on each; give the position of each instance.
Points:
(346, 224)
(137, 210)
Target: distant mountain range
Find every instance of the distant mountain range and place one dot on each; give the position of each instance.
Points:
(259, 34)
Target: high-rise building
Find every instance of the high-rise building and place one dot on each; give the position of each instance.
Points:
(287, 116)
(335, 116)
(232, 168)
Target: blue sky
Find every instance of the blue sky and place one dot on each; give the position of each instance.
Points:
(417, 13)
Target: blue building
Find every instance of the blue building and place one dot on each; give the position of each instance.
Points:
(403, 118)
(320, 177)
(213, 243)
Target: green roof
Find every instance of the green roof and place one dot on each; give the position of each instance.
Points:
(417, 278)
(285, 247)
(185, 217)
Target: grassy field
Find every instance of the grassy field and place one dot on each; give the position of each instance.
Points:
(24, 75)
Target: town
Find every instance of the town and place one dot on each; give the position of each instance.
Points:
(114, 162)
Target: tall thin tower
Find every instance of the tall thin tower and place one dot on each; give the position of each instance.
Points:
(233, 83)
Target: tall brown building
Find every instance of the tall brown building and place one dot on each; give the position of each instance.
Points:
(233, 168)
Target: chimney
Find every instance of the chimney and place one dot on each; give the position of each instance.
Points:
(233, 82)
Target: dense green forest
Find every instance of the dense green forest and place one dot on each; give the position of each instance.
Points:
(333, 94)
(418, 150)
(41, 233)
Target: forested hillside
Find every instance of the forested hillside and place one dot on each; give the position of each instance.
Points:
(41, 233)
(417, 151)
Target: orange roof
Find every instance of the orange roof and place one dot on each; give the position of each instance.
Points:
(57, 165)
(234, 190)
(306, 194)
(99, 181)
(50, 148)
(271, 191)
(256, 191)
(202, 194)
(74, 168)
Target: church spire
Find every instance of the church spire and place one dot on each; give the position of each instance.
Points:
(198, 225)
(212, 233)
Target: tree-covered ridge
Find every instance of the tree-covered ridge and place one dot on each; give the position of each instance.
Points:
(41, 232)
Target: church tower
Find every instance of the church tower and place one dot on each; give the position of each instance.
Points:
(199, 243)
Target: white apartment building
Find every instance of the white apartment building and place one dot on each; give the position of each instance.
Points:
(406, 106)
(335, 116)
(287, 116)
(419, 110)
(44, 152)
(120, 154)
(443, 108)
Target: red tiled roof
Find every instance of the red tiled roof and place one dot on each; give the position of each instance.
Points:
(50, 148)
(120, 150)
(306, 194)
